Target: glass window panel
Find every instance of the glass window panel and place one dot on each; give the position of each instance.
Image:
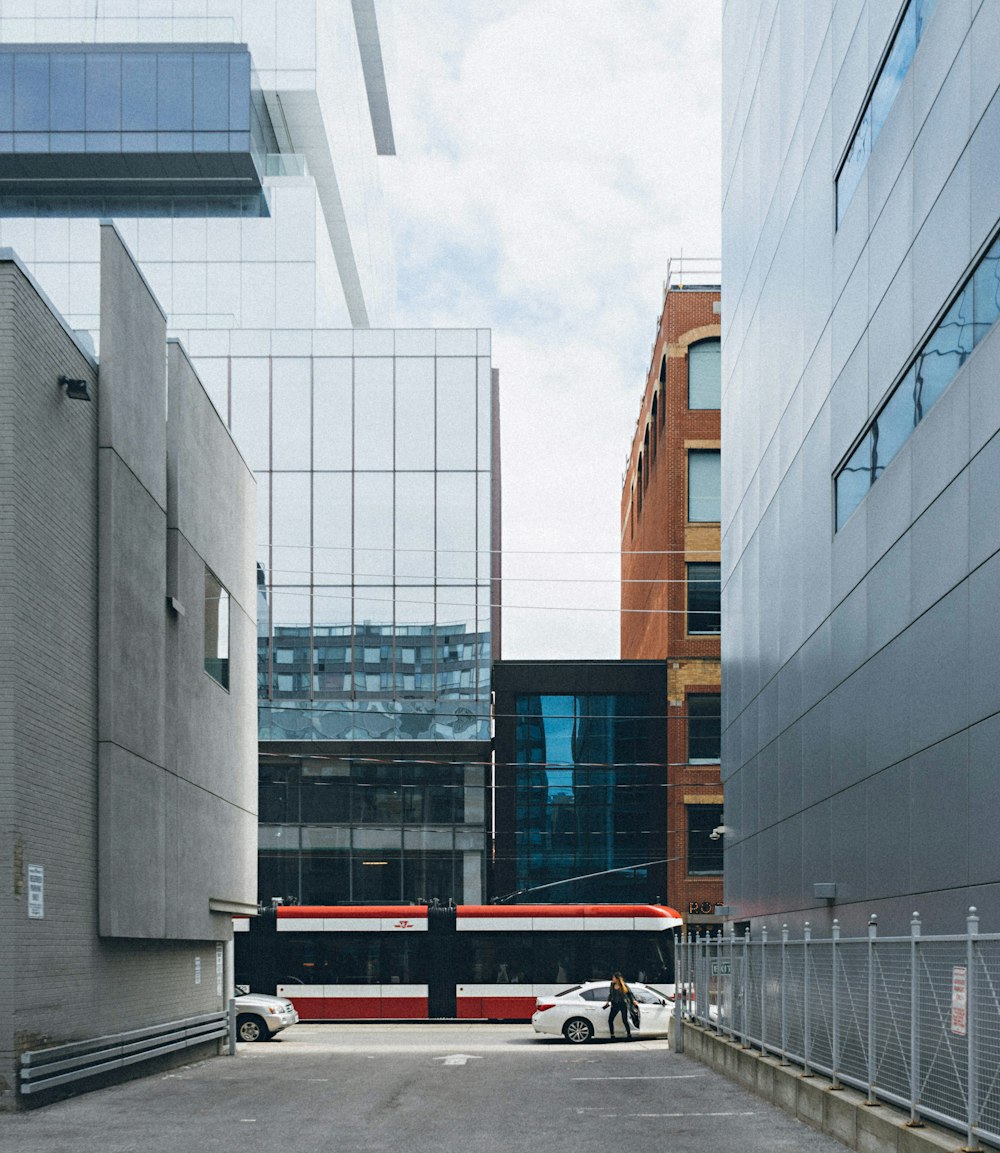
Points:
(174, 109)
(331, 527)
(290, 528)
(332, 644)
(31, 92)
(373, 526)
(216, 629)
(104, 92)
(373, 412)
(373, 631)
(986, 292)
(415, 527)
(6, 92)
(68, 89)
(704, 375)
(456, 412)
(290, 415)
(484, 415)
(894, 425)
(704, 598)
(483, 527)
(704, 854)
(332, 420)
(854, 480)
(239, 92)
(251, 422)
(456, 526)
(290, 633)
(704, 485)
(263, 521)
(455, 650)
(704, 727)
(896, 65)
(415, 412)
(944, 354)
(139, 92)
(211, 91)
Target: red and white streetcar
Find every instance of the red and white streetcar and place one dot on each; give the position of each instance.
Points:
(419, 962)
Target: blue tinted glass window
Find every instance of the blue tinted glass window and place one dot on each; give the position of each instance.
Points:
(894, 70)
(887, 86)
(67, 91)
(705, 374)
(945, 353)
(894, 425)
(986, 292)
(239, 92)
(104, 92)
(31, 92)
(854, 479)
(211, 92)
(175, 111)
(6, 92)
(139, 92)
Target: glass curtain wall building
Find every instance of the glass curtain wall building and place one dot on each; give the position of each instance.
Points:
(237, 147)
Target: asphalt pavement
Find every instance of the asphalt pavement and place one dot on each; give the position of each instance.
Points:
(420, 1088)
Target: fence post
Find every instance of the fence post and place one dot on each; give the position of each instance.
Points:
(719, 984)
(680, 974)
(914, 1121)
(972, 1095)
(872, 933)
(806, 1023)
(763, 989)
(834, 1007)
(784, 986)
(732, 981)
(745, 982)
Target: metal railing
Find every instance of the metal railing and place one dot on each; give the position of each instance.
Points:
(48, 1068)
(914, 1021)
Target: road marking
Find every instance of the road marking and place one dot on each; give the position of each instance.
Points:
(748, 1113)
(666, 1077)
(458, 1058)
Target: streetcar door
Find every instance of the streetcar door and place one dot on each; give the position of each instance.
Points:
(441, 976)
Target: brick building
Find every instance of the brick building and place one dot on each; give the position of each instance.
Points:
(670, 568)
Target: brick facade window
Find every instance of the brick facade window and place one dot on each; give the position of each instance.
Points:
(704, 485)
(704, 855)
(705, 374)
(704, 712)
(704, 598)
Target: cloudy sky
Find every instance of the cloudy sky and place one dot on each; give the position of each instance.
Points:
(552, 155)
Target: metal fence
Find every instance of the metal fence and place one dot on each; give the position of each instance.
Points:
(914, 1020)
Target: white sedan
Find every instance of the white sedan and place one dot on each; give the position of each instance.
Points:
(578, 1013)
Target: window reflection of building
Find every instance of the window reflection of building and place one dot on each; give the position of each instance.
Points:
(579, 780)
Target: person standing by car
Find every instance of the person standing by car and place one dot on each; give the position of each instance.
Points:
(621, 1000)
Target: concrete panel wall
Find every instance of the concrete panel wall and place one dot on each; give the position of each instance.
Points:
(852, 697)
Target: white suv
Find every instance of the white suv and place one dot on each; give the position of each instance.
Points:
(259, 1017)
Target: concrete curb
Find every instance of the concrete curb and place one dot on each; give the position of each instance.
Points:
(840, 1113)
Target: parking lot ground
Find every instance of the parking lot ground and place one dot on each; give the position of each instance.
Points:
(420, 1088)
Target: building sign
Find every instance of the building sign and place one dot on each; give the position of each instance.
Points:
(959, 999)
(701, 908)
(36, 892)
(218, 970)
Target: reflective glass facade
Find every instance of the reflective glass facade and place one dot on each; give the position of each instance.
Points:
(580, 781)
(374, 520)
(86, 126)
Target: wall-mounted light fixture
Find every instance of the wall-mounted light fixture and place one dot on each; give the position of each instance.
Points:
(719, 832)
(75, 389)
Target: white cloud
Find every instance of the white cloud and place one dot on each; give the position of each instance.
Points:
(552, 156)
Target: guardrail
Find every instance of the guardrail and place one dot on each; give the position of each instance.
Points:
(48, 1068)
(914, 1021)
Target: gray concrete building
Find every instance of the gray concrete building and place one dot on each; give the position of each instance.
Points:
(127, 680)
(861, 701)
